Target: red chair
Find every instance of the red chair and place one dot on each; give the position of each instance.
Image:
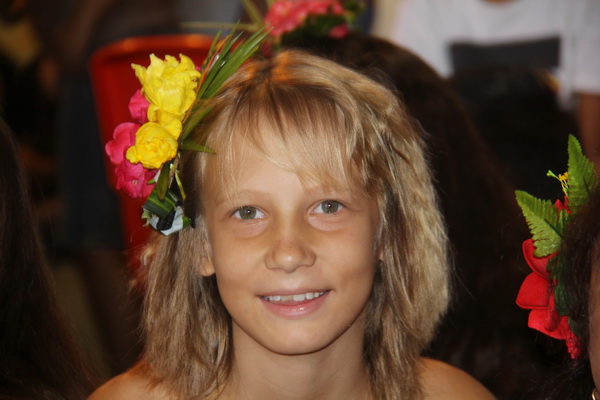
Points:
(114, 82)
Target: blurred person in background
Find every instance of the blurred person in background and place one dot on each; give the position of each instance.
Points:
(558, 36)
(90, 232)
(39, 358)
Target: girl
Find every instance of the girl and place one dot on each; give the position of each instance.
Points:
(317, 266)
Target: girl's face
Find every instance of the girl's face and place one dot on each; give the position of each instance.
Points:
(294, 261)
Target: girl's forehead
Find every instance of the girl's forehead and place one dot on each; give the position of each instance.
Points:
(316, 163)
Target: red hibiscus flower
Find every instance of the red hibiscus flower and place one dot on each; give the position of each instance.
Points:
(537, 294)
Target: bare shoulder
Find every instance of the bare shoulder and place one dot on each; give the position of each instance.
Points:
(129, 386)
(443, 381)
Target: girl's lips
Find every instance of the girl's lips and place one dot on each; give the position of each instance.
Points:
(293, 298)
(295, 305)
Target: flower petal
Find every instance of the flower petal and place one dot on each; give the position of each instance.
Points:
(154, 146)
(123, 138)
(537, 264)
(138, 107)
(534, 293)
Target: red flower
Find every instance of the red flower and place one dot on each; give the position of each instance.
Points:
(287, 15)
(537, 295)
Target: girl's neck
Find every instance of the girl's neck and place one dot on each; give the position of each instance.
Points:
(336, 372)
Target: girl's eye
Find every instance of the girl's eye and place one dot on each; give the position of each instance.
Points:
(328, 207)
(248, 213)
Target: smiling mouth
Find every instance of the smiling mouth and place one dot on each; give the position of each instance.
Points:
(294, 297)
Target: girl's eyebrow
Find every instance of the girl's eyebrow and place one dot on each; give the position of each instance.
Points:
(235, 196)
(321, 190)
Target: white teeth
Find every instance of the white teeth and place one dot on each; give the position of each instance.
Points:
(295, 297)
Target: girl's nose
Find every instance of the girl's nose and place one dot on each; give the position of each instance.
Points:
(290, 249)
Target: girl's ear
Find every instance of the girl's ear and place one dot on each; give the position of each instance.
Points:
(206, 267)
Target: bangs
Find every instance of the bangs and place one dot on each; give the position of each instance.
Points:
(305, 128)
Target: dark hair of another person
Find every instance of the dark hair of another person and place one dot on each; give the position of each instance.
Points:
(484, 333)
(516, 110)
(38, 356)
(579, 252)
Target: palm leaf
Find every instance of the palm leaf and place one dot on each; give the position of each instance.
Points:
(163, 181)
(222, 61)
(230, 62)
(192, 145)
(161, 207)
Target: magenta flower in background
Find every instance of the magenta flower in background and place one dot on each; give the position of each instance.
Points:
(288, 15)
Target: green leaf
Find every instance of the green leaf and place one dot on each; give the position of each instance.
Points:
(194, 119)
(218, 66)
(544, 221)
(582, 177)
(163, 181)
(230, 62)
(160, 207)
(191, 145)
(213, 65)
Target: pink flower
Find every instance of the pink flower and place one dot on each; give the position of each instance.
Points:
(288, 15)
(138, 107)
(133, 179)
(123, 139)
(339, 32)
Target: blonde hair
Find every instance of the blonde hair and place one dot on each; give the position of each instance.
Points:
(332, 122)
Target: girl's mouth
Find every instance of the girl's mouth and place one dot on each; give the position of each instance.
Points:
(293, 297)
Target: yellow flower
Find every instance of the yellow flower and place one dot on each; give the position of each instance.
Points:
(155, 144)
(169, 85)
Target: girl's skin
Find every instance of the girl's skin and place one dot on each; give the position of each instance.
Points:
(278, 235)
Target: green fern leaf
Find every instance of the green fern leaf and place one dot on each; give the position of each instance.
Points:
(543, 221)
(582, 177)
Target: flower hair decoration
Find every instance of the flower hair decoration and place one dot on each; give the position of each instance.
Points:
(297, 18)
(170, 104)
(541, 291)
(312, 18)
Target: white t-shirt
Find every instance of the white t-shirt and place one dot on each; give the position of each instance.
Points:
(562, 36)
